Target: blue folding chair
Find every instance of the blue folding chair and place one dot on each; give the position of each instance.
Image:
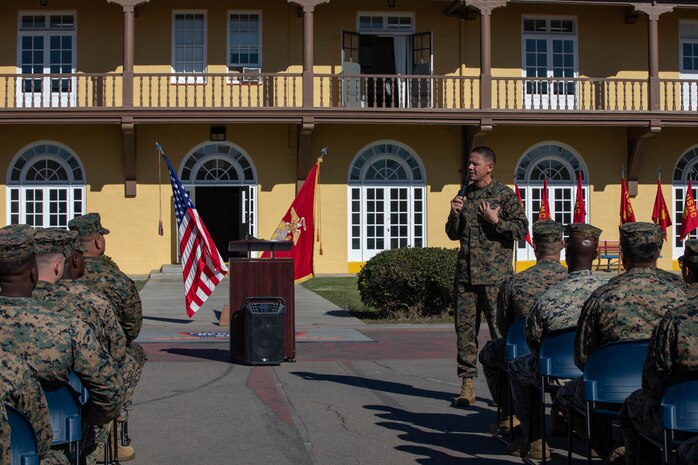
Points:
(556, 361)
(679, 411)
(516, 346)
(80, 390)
(22, 439)
(611, 374)
(64, 412)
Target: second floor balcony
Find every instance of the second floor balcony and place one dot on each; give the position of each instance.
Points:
(62, 94)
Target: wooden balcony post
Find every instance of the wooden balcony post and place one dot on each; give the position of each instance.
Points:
(308, 7)
(653, 13)
(129, 9)
(485, 7)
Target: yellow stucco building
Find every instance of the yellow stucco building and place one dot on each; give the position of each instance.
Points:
(243, 96)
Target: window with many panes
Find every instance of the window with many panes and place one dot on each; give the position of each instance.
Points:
(387, 204)
(688, 64)
(374, 23)
(189, 44)
(686, 168)
(560, 166)
(45, 186)
(244, 39)
(549, 56)
(46, 46)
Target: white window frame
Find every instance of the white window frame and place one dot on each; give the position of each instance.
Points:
(689, 90)
(526, 186)
(20, 188)
(178, 77)
(46, 98)
(386, 30)
(530, 101)
(260, 39)
(363, 254)
(678, 195)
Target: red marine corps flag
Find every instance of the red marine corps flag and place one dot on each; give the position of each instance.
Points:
(660, 213)
(518, 196)
(627, 215)
(544, 212)
(298, 225)
(689, 220)
(580, 210)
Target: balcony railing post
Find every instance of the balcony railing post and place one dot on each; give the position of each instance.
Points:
(653, 12)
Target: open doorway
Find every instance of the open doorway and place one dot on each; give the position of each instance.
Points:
(377, 56)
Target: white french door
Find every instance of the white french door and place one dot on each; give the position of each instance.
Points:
(548, 63)
(385, 218)
(46, 207)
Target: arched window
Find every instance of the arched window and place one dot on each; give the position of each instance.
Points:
(387, 208)
(45, 186)
(686, 168)
(560, 165)
(222, 183)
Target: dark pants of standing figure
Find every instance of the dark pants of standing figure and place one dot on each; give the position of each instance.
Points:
(471, 302)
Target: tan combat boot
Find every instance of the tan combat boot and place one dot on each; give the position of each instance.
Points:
(534, 451)
(125, 453)
(467, 394)
(503, 427)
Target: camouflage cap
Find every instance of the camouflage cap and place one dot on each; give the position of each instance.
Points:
(87, 224)
(641, 233)
(56, 240)
(547, 231)
(16, 242)
(690, 251)
(583, 231)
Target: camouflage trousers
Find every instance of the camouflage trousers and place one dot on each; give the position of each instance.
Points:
(525, 382)
(471, 303)
(55, 457)
(493, 358)
(133, 369)
(635, 419)
(571, 396)
(93, 439)
(687, 453)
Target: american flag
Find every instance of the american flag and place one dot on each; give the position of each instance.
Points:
(202, 265)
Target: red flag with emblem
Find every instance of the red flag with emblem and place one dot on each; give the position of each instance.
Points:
(689, 220)
(518, 196)
(298, 225)
(660, 212)
(627, 215)
(544, 212)
(580, 210)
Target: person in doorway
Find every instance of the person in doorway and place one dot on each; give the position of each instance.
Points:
(487, 218)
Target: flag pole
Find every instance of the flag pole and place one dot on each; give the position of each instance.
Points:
(161, 231)
(516, 243)
(318, 198)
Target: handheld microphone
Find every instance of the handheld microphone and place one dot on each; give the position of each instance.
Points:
(461, 192)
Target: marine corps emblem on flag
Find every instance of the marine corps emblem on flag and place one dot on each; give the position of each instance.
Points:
(290, 230)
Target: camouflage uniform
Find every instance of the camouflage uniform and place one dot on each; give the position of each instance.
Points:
(484, 261)
(558, 308)
(692, 291)
(23, 391)
(627, 308)
(673, 278)
(516, 295)
(687, 453)
(102, 276)
(673, 349)
(5, 431)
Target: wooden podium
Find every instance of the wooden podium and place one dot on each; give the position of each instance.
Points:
(260, 277)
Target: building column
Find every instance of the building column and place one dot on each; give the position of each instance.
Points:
(128, 128)
(485, 7)
(305, 129)
(653, 13)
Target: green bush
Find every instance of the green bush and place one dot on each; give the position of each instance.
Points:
(409, 282)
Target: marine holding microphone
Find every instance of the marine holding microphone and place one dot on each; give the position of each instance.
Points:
(487, 218)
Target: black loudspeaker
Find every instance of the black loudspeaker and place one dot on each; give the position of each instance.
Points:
(264, 330)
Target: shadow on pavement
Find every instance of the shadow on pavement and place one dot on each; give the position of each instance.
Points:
(214, 355)
(376, 385)
(340, 313)
(168, 320)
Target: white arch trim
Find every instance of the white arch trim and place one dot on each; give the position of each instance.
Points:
(582, 163)
(684, 179)
(46, 156)
(390, 156)
(219, 156)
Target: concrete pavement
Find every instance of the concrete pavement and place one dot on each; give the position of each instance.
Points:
(357, 394)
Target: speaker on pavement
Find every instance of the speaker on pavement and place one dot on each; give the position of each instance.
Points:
(264, 330)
